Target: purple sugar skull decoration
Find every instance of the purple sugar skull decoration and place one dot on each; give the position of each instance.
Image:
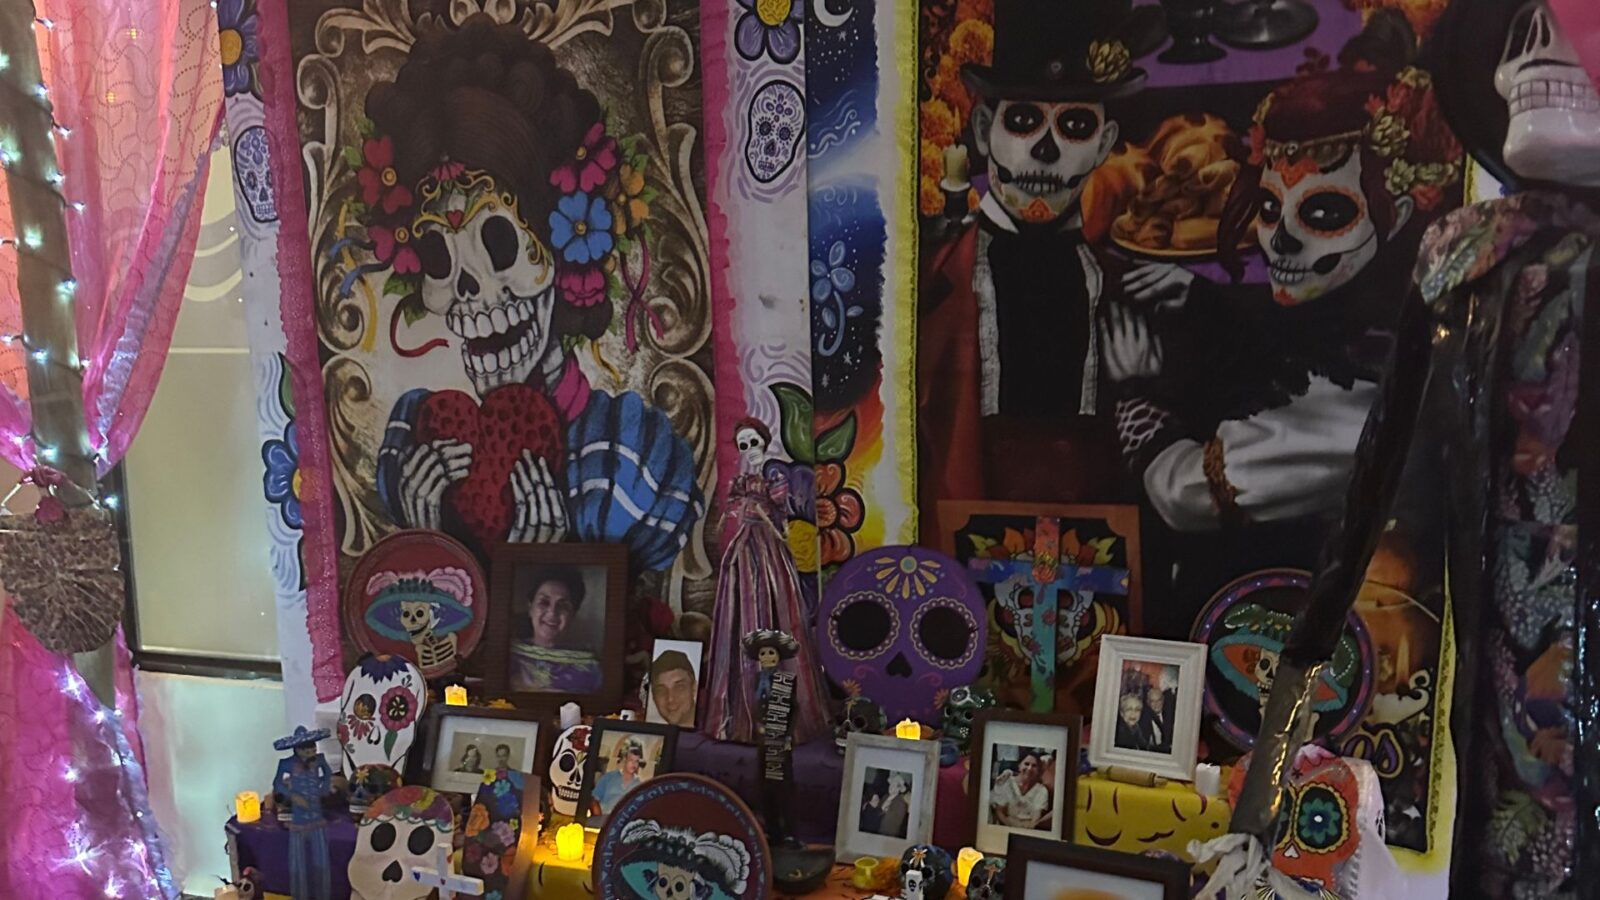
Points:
(902, 625)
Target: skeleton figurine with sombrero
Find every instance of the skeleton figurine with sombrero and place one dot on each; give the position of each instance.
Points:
(303, 780)
(1494, 402)
(1006, 337)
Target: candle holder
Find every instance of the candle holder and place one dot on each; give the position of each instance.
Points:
(1190, 22)
(1265, 24)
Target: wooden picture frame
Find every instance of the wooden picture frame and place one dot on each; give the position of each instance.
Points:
(888, 759)
(1031, 859)
(1056, 733)
(591, 675)
(589, 812)
(1165, 742)
(1093, 543)
(424, 767)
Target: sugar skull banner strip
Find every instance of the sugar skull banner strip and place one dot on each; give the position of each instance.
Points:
(510, 268)
(859, 73)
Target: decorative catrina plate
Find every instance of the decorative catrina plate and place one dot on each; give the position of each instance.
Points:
(681, 835)
(420, 595)
(1244, 627)
(902, 626)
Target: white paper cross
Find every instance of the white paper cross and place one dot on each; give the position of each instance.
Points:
(441, 877)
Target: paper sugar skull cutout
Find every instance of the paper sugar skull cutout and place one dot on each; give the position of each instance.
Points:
(899, 625)
(682, 837)
(419, 595)
(987, 880)
(402, 830)
(1554, 132)
(566, 769)
(929, 868)
(861, 715)
(1332, 811)
(378, 713)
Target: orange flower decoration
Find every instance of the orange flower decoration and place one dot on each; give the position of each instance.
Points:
(839, 514)
(477, 820)
(930, 198)
(972, 41)
(940, 126)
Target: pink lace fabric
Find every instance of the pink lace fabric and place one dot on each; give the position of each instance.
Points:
(1580, 19)
(139, 88)
(74, 826)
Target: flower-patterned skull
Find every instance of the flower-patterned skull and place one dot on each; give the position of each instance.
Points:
(776, 123)
(987, 881)
(860, 716)
(900, 625)
(384, 697)
(932, 869)
(566, 769)
(960, 708)
(402, 830)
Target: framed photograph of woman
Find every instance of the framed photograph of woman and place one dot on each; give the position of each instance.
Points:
(1024, 776)
(886, 802)
(558, 613)
(1147, 710)
(622, 756)
(464, 742)
(1039, 868)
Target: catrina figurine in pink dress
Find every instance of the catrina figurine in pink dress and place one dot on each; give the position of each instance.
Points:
(757, 587)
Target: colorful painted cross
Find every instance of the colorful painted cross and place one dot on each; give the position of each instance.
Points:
(1049, 577)
(448, 883)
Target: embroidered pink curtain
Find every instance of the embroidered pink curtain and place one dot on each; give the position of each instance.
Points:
(138, 89)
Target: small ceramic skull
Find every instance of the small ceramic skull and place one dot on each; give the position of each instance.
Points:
(931, 868)
(566, 769)
(1555, 111)
(960, 708)
(987, 880)
(860, 715)
(402, 830)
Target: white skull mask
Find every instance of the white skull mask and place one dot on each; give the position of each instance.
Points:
(1555, 111)
(389, 845)
(1316, 227)
(673, 883)
(566, 769)
(490, 277)
(1040, 154)
(752, 448)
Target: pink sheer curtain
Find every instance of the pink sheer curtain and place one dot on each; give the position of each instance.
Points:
(1581, 20)
(137, 86)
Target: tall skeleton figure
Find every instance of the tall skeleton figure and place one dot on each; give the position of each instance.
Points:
(1495, 392)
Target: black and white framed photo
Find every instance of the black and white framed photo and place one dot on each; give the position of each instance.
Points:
(674, 682)
(622, 756)
(1024, 776)
(886, 802)
(464, 742)
(1045, 869)
(1147, 705)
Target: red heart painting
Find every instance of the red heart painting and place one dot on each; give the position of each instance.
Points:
(512, 418)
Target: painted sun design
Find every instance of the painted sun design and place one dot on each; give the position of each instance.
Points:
(906, 575)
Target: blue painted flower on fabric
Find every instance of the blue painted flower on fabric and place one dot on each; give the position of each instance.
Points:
(580, 228)
(831, 282)
(239, 45)
(282, 479)
(770, 26)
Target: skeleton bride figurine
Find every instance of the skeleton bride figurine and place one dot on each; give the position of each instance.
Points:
(1495, 395)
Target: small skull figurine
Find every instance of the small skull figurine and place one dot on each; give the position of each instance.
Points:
(566, 769)
(960, 709)
(987, 880)
(861, 715)
(911, 886)
(935, 868)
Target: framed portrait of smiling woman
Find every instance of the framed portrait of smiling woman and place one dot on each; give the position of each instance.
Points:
(558, 611)
(1025, 769)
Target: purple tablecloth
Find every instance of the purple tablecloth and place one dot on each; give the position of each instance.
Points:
(265, 845)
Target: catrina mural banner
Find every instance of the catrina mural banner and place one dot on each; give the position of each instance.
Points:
(1161, 258)
(509, 254)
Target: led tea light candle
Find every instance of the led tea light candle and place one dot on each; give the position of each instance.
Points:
(965, 860)
(247, 807)
(908, 729)
(569, 842)
(455, 695)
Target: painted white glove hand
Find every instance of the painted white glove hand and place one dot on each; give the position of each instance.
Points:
(425, 472)
(541, 503)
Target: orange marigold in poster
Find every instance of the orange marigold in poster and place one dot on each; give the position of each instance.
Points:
(931, 160)
(930, 199)
(947, 86)
(972, 41)
(940, 126)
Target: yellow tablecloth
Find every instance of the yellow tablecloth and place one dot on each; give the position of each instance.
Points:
(1134, 819)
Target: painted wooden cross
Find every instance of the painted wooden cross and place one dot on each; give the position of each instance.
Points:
(448, 883)
(1049, 578)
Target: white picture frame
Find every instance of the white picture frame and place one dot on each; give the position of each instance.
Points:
(695, 651)
(1162, 742)
(868, 760)
(457, 729)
